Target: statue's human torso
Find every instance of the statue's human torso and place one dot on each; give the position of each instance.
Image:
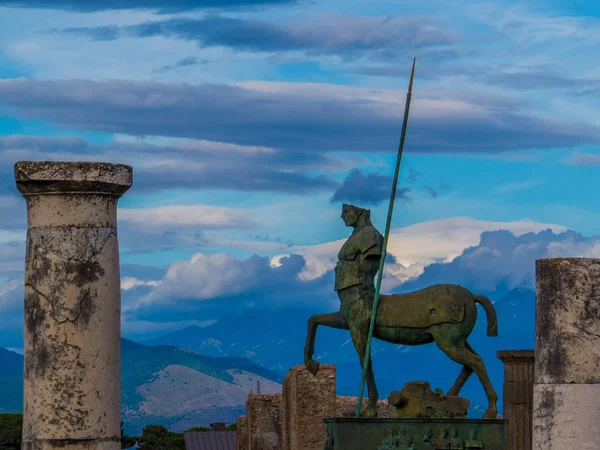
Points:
(358, 259)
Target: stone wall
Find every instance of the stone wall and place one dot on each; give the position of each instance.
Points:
(293, 420)
(241, 434)
(263, 422)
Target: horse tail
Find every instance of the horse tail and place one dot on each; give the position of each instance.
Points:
(490, 312)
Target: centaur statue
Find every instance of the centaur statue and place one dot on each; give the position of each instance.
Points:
(444, 313)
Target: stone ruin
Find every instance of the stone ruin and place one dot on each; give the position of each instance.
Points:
(550, 402)
(72, 337)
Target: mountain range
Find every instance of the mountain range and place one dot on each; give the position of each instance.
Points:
(200, 375)
(275, 338)
(165, 385)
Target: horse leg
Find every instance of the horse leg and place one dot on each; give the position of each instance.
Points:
(464, 375)
(458, 352)
(359, 338)
(332, 320)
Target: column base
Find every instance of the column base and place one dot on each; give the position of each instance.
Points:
(566, 416)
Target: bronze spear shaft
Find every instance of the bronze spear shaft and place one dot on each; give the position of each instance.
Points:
(385, 240)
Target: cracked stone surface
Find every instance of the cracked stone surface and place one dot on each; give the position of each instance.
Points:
(566, 399)
(72, 304)
(568, 321)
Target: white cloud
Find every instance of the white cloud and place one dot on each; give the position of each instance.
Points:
(128, 283)
(417, 246)
(10, 295)
(201, 216)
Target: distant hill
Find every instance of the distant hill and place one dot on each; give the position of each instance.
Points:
(177, 387)
(165, 385)
(11, 381)
(275, 340)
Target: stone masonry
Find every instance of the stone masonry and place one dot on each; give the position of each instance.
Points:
(566, 392)
(302, 406)
(518, 397)
(72, 373)
(306, 400)
(263, 422)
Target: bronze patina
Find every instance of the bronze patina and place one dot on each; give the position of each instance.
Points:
(445, 313)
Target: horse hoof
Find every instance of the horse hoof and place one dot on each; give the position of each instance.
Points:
(313, 367)
(490, 414)
(369, 412)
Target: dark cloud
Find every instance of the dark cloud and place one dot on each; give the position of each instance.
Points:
(187, 165)
(160, 6)
(350, 36)
(370, 189)
(504, 76)
(313, 118)
(185, 62)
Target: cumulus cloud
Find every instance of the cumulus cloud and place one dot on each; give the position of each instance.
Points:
(292, 116)
(459, 251)
(416, 246)
(209, 284)
(170, 6)
(502, 260)
(347, 36)
(130, 283)
(11, 311)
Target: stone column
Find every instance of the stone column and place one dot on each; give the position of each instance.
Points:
(518, 397)
(72, 373)
(566, 392)
(307, 400)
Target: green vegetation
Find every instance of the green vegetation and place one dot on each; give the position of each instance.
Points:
(154, 437)
(11, 426)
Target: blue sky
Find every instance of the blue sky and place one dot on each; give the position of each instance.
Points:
(248, 123)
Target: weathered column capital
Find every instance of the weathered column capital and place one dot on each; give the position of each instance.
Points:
(58, 177)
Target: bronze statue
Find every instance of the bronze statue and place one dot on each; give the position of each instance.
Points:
(445, 314)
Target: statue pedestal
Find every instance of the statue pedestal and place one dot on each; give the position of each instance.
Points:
(414, 434)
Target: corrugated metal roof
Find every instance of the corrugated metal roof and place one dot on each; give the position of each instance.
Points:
(210, 440)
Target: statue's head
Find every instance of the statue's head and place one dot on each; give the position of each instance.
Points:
(353, 215)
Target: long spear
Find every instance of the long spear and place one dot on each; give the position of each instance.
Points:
(385, 240)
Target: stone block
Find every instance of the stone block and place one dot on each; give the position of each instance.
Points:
(263, 421)
(307, 400)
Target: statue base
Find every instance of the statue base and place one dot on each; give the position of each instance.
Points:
(414, 434)
(417, 400)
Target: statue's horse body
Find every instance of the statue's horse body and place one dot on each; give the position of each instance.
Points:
(444, 313)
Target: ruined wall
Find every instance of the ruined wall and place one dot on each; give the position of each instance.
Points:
(293, 420)
(307, 399)
(518, 397)
(263, 422)
(566, 391)
(241, 434)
